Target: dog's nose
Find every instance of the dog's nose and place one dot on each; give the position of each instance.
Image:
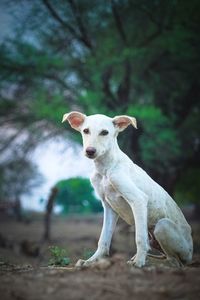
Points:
(90, 151)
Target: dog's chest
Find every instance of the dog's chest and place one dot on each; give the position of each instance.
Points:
(117, 202)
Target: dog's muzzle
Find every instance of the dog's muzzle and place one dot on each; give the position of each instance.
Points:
(90, 152)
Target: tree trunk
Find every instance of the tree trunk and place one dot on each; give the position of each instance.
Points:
(48, 214)
(18, 209)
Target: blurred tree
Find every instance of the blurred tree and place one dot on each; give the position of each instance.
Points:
(116, 57)
(76, 195)
(18, 176)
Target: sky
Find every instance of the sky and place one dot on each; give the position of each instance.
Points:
(56, 159)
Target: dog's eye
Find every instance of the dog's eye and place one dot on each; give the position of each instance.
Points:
(86, 131)
(104, 132)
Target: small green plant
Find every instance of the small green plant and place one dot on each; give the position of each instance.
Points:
(58, 256)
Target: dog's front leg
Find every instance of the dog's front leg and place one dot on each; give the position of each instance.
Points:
(109, 224)
(138, 202)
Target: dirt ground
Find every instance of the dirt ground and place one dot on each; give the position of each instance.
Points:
(25, 274)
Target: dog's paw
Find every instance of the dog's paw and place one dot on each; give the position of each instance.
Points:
(80, 263)
(102, 263)
(84, 263)
(136, 261)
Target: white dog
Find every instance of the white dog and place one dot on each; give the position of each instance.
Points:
(127, 191)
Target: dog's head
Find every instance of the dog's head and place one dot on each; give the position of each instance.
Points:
(99, 132)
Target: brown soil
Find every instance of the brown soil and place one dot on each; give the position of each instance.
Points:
(25, 274)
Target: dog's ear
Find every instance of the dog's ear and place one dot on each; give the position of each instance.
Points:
(75, 119)
(121, 122)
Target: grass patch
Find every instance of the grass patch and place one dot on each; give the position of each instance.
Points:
(58, 257)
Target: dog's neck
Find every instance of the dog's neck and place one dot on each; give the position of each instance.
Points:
(108, 160)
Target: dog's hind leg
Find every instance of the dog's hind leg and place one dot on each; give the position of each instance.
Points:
(175, 240)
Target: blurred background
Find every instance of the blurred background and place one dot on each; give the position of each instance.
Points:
(134, 57)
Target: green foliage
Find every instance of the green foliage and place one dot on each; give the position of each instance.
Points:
(49, 107)
(87, 97)
(113, 57)
(76, 195)
(187, 188)
(58, 256)
(159, 143)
